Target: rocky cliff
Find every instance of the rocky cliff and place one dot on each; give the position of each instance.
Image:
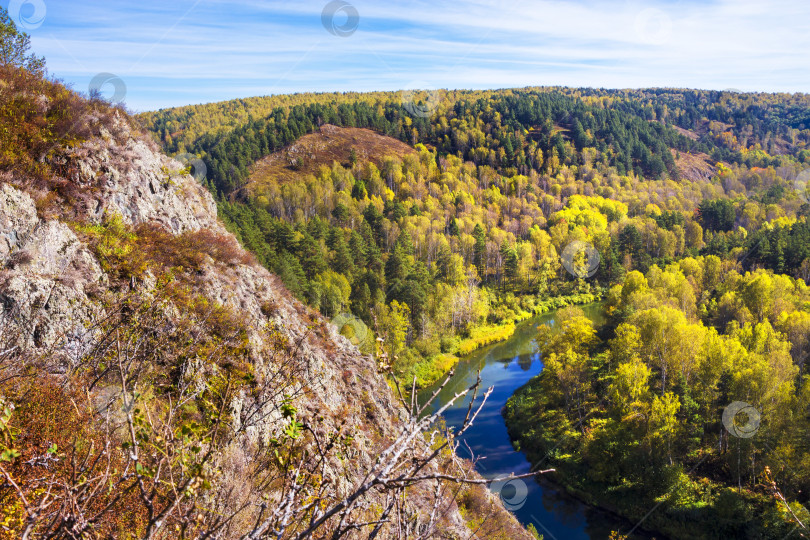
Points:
(215, 399)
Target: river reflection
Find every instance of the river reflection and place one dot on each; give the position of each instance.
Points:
(507, 366)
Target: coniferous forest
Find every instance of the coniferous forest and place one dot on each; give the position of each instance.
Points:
(459, 238)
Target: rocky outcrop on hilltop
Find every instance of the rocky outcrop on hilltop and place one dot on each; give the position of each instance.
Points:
(127, 175)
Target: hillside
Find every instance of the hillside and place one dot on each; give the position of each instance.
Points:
(464, 230)
(330, 144)
(155, 381)
(695, 167)
(351, 315)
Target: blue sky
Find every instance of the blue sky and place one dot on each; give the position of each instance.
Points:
(178, 52)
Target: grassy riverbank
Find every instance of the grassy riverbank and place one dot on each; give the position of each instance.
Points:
(432, 369)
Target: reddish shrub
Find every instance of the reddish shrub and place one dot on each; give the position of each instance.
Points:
(189, 249)
(50, 416)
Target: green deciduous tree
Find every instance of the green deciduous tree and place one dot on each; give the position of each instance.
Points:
(663, 420)
(15, 47)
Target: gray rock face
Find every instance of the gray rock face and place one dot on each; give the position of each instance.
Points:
(18, 217)
(42, 292)
(154, 190)
(143, 185)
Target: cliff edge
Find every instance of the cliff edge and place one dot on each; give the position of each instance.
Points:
(156, 382)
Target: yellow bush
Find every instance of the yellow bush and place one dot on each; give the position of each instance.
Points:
(432, 370)
(485, 335)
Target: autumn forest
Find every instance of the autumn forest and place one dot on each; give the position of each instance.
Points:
(688, 215)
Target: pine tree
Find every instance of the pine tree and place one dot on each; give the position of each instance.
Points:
(342, 260)
(453, 228)
(396, 267)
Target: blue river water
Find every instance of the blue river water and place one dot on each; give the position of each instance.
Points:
(507, 366)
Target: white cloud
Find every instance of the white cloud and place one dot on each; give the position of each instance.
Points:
(194, 50)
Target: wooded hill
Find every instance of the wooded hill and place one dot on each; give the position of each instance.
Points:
(438, 249)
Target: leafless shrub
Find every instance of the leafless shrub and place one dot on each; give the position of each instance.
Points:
(166, 430)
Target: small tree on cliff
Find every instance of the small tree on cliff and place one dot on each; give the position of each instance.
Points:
(15, 47)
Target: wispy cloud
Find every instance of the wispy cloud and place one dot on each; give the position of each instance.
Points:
(192, 51)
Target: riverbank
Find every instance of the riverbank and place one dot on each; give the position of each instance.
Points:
(433, 369)
(666, 499)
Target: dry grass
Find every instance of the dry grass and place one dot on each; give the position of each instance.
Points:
(331, 144)
(42, 123)
(686, 133)
(694, 167)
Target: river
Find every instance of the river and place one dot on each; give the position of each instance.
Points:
(507, 366)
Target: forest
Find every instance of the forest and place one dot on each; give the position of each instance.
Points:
(635, 413)
(140, 399)
(443, 249)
